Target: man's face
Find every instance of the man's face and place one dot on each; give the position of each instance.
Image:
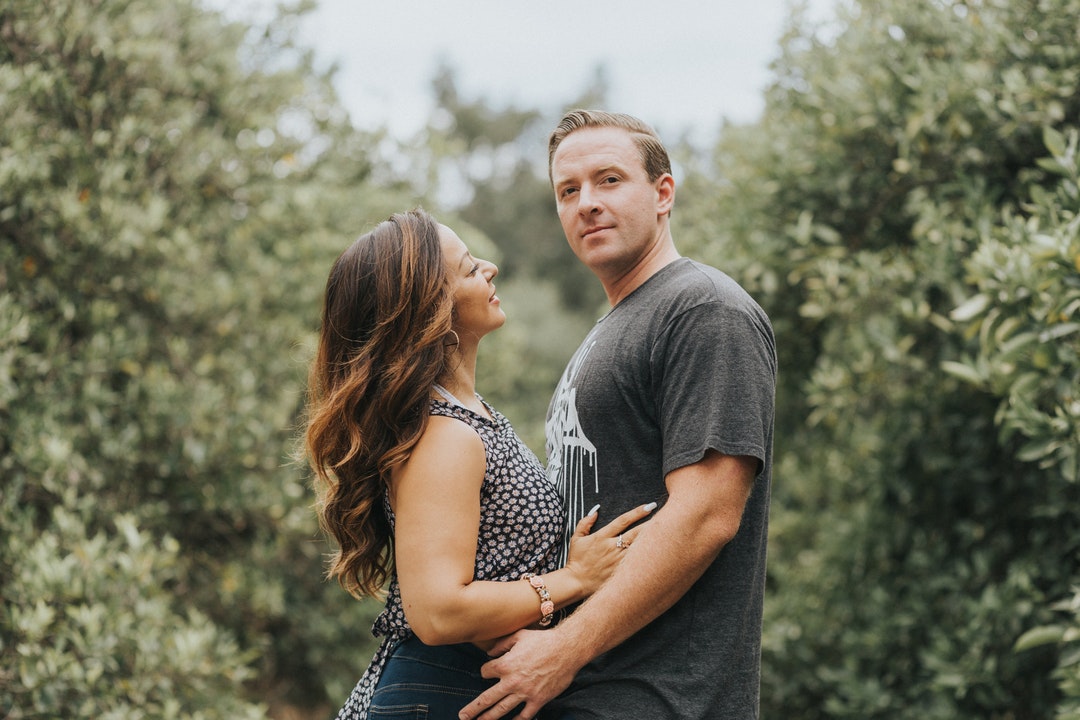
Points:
(609, 209)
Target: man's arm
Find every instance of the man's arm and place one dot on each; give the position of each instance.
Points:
(702, 514)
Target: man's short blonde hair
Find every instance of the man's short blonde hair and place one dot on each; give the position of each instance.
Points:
(654, 157)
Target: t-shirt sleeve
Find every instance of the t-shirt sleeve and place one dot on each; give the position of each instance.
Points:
(715, 373)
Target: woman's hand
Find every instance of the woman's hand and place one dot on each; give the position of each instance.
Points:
(593, 558)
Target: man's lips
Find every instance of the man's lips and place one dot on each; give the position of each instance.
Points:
(594, 230)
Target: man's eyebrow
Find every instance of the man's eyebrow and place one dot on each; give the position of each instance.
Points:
(609, 168)
(612, 167)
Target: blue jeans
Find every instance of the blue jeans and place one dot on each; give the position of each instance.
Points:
(422, 682)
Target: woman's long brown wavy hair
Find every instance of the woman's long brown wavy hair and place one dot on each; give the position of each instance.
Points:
(383, 343)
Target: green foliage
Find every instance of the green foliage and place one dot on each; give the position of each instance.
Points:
(168, 213)
(913, 537)
(93, 615)
(1026, 317)
(1065, 634)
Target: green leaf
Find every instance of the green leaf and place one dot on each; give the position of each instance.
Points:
(970, 308)
(1058, 331)
(1054, 141)
(1036, 637)
(1053, 166)
(1038, 449)
(964, 372)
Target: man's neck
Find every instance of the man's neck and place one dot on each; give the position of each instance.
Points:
(662, 255)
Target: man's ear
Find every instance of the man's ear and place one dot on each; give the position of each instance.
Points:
(665, 194)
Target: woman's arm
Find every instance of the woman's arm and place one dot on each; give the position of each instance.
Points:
(436, 500)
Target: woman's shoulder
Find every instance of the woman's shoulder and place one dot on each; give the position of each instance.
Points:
(447, 451)
(449, 432)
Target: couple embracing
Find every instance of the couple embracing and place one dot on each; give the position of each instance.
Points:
(624, 581)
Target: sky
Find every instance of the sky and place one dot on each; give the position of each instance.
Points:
(680, 65)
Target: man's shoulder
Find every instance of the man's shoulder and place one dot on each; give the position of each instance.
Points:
(686, 284)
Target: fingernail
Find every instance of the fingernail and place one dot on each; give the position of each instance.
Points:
(650, 507)
(594, 509)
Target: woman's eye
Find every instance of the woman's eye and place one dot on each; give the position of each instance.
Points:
(473, 271)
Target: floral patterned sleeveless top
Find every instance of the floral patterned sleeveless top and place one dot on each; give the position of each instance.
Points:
(521, 525)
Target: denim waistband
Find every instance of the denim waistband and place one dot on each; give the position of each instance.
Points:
(460, 656)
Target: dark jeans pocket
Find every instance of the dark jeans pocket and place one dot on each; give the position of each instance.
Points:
(424, 700)
(435, 681)
(398, 712)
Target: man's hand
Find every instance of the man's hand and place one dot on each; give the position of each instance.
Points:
(532, 668)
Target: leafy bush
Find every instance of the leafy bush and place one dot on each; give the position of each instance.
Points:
(920, 526)
(169, 207)
(1025, 318)
(96, 632)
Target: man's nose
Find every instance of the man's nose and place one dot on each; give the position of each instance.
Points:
(588, 202)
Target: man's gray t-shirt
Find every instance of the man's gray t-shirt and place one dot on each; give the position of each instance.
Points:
(684, 364)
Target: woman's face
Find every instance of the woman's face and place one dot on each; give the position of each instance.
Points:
(477, 308)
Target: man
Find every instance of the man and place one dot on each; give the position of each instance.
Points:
(669, 398)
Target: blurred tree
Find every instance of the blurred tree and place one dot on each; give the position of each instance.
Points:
(912, 544)
(1026, 316)
(169, 208)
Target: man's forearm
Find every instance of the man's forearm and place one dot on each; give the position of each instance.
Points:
(666, 559)
(674, 549)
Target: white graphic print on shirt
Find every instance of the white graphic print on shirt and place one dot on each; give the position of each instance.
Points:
(571, 455)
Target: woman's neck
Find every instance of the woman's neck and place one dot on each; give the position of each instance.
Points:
(460, 381)
(459, 384)
(460, 378)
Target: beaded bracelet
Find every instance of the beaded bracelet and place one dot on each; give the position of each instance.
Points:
(547, 607)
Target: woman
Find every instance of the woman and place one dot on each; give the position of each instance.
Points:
(423, 483)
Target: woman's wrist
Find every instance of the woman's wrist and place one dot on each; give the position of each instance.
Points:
(567, 586)
(547, 606)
